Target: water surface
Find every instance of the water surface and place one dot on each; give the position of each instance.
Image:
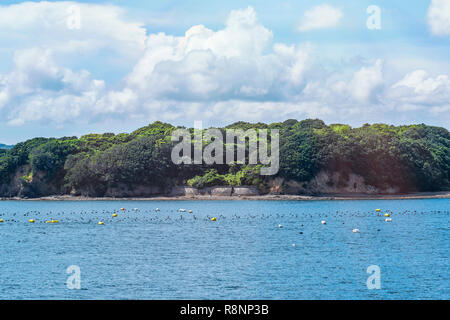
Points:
(243, 255)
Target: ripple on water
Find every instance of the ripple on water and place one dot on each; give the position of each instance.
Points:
(166, 254)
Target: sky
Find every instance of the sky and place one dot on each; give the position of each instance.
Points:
(72, 68)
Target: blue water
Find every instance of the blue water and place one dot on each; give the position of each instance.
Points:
(243, 255)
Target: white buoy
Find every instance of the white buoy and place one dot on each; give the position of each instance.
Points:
(190, 211)
(388, 220)
(323, 222)
(280, 226)
(157, 209)
(135, 209)
(355, 230)
(182, 210)
(293, 244)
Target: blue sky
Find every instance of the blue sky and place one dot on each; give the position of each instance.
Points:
(129, 63)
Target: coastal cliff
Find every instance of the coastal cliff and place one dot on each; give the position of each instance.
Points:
(314, 159)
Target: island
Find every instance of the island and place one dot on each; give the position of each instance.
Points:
(316, 161)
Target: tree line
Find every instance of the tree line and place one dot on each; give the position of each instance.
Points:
(411, 158)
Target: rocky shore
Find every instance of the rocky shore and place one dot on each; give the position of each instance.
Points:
(230, 195)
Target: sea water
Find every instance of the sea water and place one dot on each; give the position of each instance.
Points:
(253, 250)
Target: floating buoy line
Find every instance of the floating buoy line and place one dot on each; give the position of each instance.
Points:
(137, 215)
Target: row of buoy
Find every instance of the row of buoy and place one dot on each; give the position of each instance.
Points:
(323, 222)
(387, 215)
(57, 221)
(157, 210)
(354, 230)
(100, 222)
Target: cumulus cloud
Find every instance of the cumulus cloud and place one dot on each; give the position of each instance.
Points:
(235, 73)
(439, 17)
(54, 23)
(39, 89)
(418, 88)
(238, 62)
(320, 17)
(365, 82)
(196, 61)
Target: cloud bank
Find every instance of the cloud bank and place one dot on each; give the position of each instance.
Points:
(235, 73)
(320, 17)
(439, 17)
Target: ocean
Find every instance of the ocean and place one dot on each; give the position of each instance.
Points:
(254, 249)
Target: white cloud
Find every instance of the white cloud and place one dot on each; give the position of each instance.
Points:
(441, 109)
(418, 88)
(439, 17)
(237, 62)
(320, 17)
(38, 89)
(102, 26)
(366, 81)
(234, 73)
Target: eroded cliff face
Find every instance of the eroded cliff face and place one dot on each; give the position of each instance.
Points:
(221, 191)
(27, 184)
(15, 187)
(122, 191)
(334, 183)
(324, 183)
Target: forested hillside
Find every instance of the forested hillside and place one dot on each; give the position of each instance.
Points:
(382, 157)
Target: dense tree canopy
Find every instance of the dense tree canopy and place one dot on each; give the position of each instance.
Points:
(412, 158)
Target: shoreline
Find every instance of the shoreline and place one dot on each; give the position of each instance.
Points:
(421, 195)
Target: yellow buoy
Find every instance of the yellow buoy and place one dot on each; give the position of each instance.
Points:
(48, 221)
(1, 220)
(114, 215)
(55, 221)
(378, 210)
(101, 223)
(387, 215)
(31, 221)
(213, 219)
